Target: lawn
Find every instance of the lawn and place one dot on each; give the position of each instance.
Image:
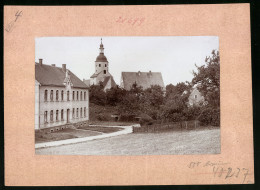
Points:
(102, 129)
(112, 123)
(63, 134)
(201, 141)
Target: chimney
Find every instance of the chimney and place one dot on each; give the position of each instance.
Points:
(139, 73)
(53, 65)
(64, 68)
(40, 61)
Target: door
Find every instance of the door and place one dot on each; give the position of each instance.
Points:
(68, 115)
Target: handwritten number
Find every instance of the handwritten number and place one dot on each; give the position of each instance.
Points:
(215, 171)
(131, 21)
(245, 174)
(10, 25)
(228, 173)
(17, 14)
(237, 173)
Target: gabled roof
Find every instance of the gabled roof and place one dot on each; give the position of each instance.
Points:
(54, 76)
(95, 75)
(113, 83)
(144, 79)
(87, 82)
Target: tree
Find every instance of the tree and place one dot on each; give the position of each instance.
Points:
(154, 95)
(115, 95)
(207, 79)
(97, 95)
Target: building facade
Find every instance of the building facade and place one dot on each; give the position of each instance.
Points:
(144, 79)
(61, 98)
(196, 98)
(101, 71)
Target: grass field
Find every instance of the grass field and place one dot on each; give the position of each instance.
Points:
(63, 134)
(202, 141)
(102, 129)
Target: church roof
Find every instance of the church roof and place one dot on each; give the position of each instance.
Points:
(87, 82)
(54, 76)
(101, 58)
(113, 83)
(95, 74)
(144, 79)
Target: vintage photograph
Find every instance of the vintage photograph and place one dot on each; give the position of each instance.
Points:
(127, 95)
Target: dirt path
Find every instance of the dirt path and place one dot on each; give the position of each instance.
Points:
(181, 142)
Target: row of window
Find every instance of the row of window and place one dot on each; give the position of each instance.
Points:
(62, 114)
(100, 65)
(75, 95)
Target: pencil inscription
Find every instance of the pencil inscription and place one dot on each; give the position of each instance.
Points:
(222, 169)
(11, 24)
(131, 21)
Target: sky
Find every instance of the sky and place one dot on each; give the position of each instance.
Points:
(173, 56)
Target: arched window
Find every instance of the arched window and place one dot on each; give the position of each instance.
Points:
(105, 65)
(62, 95)
(77, 112)
(77, 95)
(105, 71)
(80, 112)
(51, 95)
(73, 95)
(99, 65)
(68, 95)
(61, 115)
(57, 95)
(195, 96)
(73, 113)
(84, 95)
(51, 116)
(81, 95)
(84, 111)
(45, 117)
(45, 95)
(57, 115)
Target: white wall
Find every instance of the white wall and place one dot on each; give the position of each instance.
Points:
(59, 105)
(36, 111)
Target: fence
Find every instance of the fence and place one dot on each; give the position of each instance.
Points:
(167, 126)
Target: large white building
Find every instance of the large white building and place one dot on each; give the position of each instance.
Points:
(61, 98)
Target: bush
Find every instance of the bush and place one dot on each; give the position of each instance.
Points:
(210, 116)
(127, 117)
(102, 117)
(216, 117)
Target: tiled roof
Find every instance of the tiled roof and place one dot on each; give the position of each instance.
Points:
(113, 83)
(54, 76)
(144, 79)
(95, 75)
(87, 82)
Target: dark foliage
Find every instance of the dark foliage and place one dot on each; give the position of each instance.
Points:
(166, 105)
(210, 116)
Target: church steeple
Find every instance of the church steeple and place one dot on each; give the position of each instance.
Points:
(101, 47)
(101, 57)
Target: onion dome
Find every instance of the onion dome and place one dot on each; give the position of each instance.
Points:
(101, 57)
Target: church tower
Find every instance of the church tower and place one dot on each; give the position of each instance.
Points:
(101, 63)
(101, 70)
